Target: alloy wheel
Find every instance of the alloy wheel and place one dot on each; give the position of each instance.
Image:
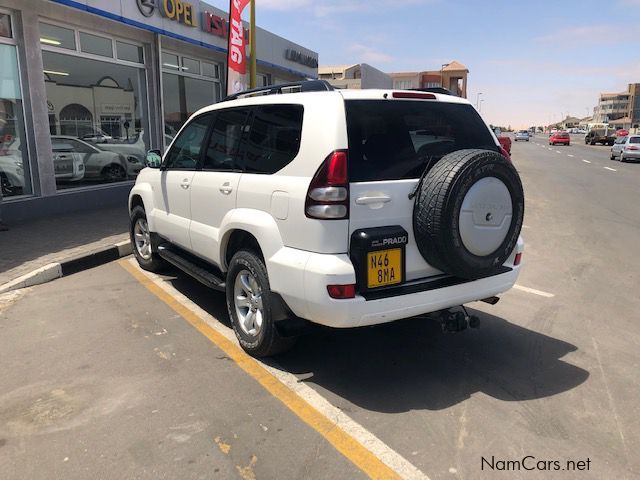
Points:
(142, 238)
(247, 296)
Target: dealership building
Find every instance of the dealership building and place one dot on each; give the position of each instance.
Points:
(88, 86)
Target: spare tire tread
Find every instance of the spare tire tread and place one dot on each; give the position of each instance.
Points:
(435, 231)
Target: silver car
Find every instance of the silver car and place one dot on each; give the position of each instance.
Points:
(98, 163)
(522, 135)
(626, 148)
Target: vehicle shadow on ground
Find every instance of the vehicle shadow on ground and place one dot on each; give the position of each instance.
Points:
(412, 365)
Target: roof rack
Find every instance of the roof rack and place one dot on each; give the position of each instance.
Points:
(434, 90)
(293, 87)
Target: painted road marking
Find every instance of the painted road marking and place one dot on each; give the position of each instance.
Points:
(586, 161)
(558, 151)
(609, 168)
(351, 439)
(534, 291)
(569, 155)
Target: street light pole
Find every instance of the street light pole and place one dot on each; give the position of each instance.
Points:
(478, 100)
(480, 106)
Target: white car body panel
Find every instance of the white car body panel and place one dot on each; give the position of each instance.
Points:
(210, 203)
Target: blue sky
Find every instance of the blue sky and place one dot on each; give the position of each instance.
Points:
(533, 61)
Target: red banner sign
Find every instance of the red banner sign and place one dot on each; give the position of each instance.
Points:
(236, 58)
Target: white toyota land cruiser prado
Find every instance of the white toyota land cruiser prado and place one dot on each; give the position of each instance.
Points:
(343, 208)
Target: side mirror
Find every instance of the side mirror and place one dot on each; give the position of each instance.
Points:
(154, 159)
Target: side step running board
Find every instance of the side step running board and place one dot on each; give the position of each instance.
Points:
(192, 268)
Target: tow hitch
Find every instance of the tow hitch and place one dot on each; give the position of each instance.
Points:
(457, 321)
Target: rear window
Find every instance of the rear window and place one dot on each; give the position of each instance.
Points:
(634, 140)
(395, 140)
(563, 135)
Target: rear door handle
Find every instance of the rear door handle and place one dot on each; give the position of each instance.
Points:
(226, 188)
(185, 183)
(370, 199)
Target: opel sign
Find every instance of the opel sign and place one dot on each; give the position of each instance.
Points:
(146, 7)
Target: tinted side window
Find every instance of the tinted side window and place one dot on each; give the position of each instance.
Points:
(185, 151)
(80, 147)
(394, 140)
(274, 139)
(223, 150)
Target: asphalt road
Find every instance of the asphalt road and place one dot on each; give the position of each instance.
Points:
(102, 378)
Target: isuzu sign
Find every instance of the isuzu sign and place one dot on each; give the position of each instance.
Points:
(236, 59)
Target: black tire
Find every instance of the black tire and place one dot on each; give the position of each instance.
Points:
(114, 173)
(152, 262)
(437, 212)
(267, 341)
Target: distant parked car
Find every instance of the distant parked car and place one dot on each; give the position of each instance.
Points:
(626, 148)
(522, 135)
(622, 132)
(561, 138)
(98, 163)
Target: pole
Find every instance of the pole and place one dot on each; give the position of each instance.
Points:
(252, 37)
(478, 100)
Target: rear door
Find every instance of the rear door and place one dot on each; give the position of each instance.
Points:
(215, 185)
(391, 142)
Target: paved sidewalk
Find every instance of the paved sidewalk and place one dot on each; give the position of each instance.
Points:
(28, 246)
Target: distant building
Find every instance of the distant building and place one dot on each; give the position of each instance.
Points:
(452, 76)
(569, 122)
(358, 76)
(619, 109)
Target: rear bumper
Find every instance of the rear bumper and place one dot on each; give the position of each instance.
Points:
(305, 292)
(633, 155)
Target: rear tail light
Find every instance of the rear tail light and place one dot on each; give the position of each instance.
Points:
(341, 292)
(632, 147)
(518, 259)
(505, 153)
(328, 194)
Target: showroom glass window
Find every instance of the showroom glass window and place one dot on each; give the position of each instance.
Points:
(97, 103)
(188, 84)
(14, 162)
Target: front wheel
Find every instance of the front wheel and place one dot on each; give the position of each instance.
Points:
(141, 242)
(250, 304)
(114, 173)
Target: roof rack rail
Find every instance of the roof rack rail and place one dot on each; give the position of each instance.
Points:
(433, 90)
(293, 87)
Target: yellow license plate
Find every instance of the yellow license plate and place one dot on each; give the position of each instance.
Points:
(384, 267)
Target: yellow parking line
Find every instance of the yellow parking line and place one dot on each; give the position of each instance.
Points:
(354, 451)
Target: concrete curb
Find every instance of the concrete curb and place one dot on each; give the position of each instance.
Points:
(69, 267)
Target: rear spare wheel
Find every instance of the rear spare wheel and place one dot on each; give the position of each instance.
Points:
(468, 213)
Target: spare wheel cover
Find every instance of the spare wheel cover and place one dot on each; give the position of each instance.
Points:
(485, 216)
